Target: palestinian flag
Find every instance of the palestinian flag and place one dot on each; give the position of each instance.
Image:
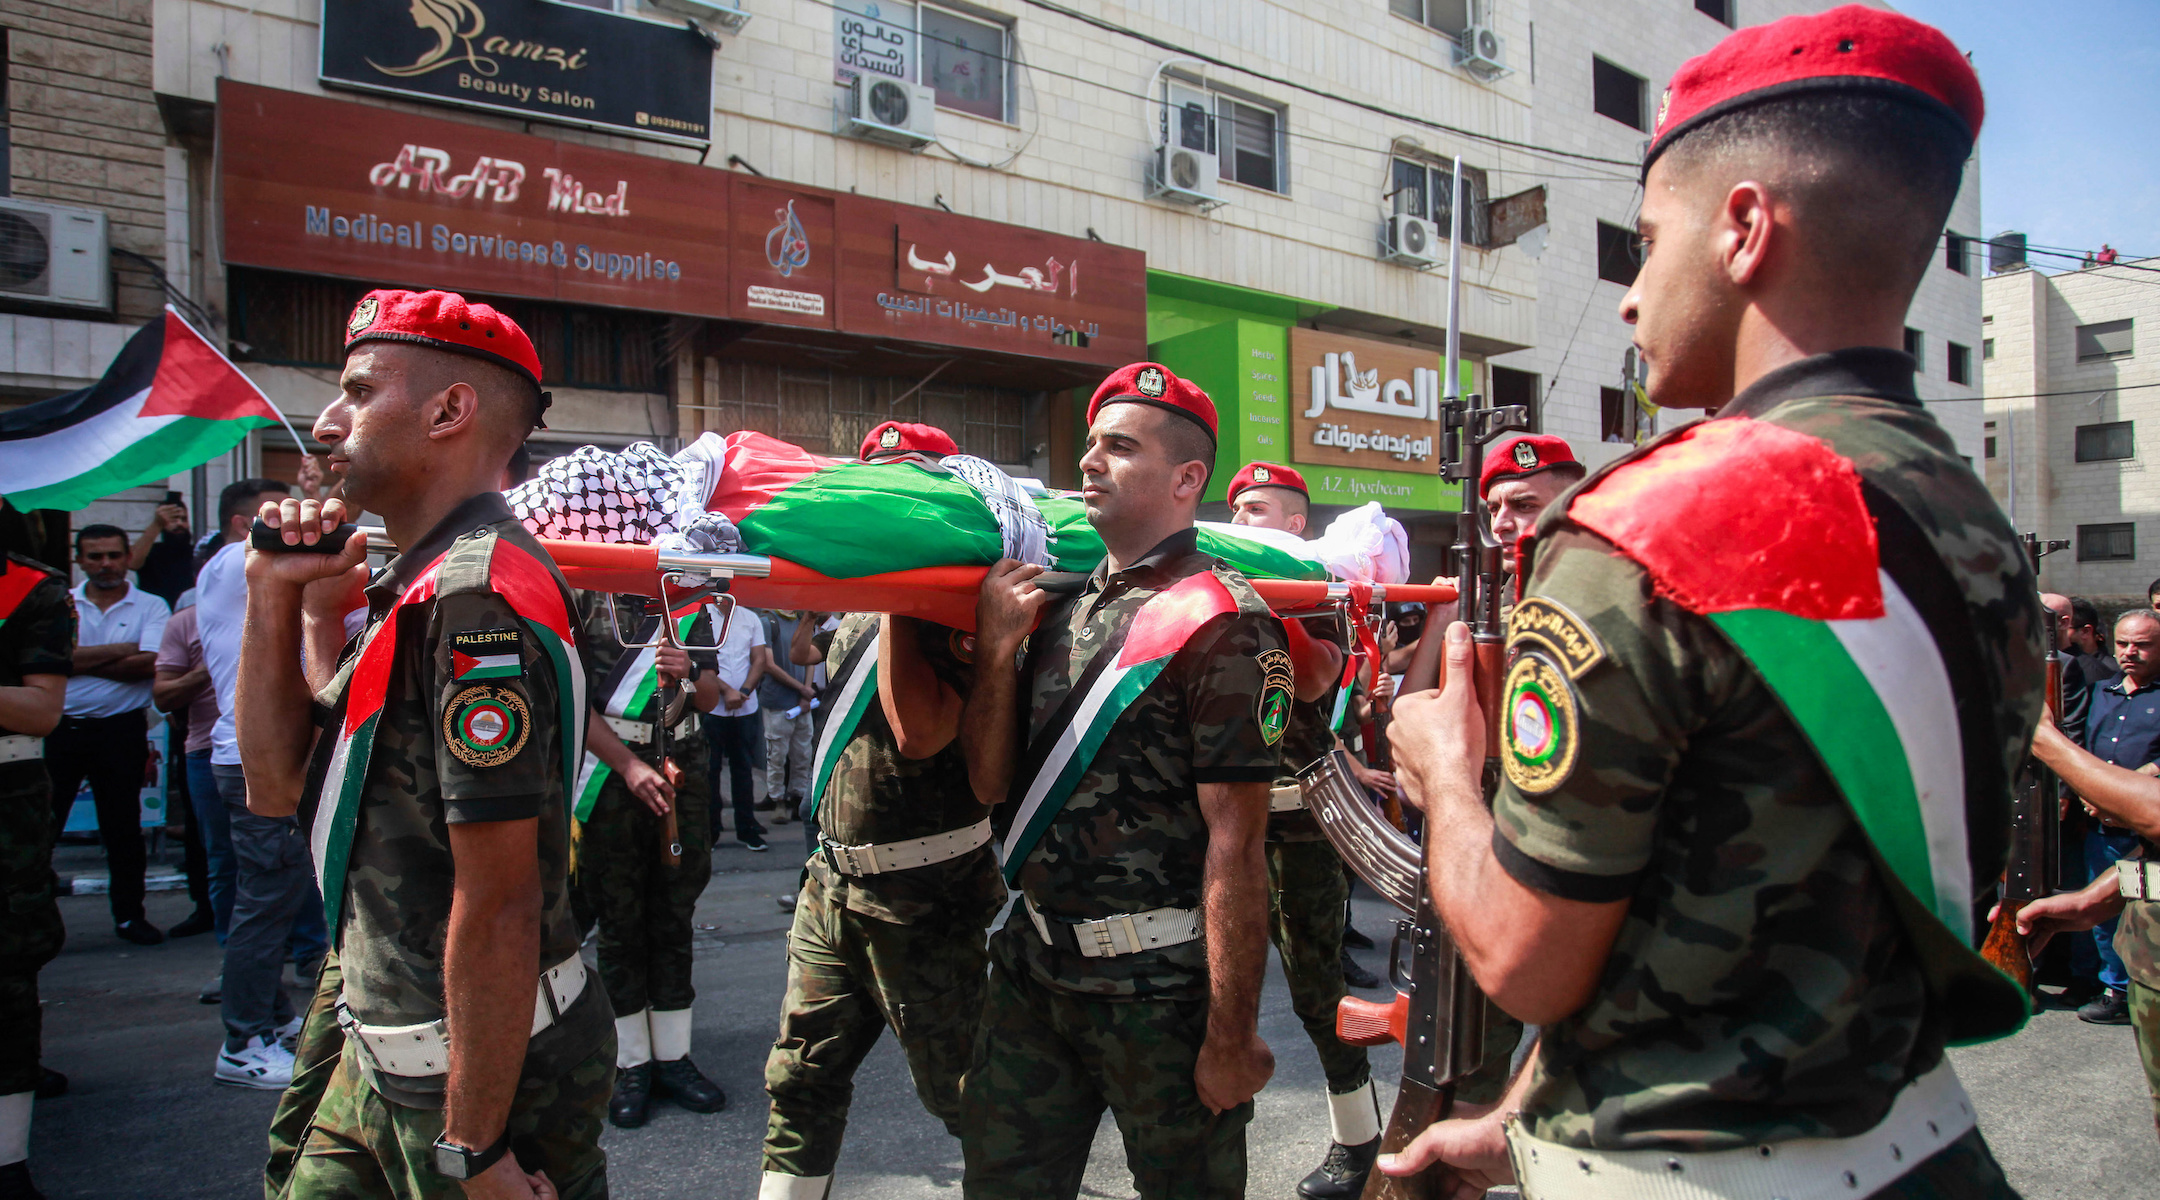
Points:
(625, 694)
(855, 686)
(1858, 645)
(169, 402)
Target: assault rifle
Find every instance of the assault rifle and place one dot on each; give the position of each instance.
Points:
(1438, 1013)
(2035, 823)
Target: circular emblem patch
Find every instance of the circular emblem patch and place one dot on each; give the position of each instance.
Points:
(1525, 455)
(363, 315)
(1540, 733)
(486, 726)
(1150, 383)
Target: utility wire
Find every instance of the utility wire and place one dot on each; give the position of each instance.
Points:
(2091, 391)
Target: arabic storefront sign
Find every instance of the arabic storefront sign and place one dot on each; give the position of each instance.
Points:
(785, 257)
(1355, 402)
(557, 62)
(877, 36)
(329, 187)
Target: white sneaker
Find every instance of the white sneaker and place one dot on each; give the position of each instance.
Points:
(288, 1034)
(262, 1063)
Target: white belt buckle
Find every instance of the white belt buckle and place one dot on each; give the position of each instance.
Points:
(2133, 879)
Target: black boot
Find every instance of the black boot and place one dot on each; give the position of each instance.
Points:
(15, 1183)
(1357, 976)
(1342, 1173)
(687, 1086)
(1351, 937)
(633, 1096)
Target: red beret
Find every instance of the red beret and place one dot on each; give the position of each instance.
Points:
(1153, 383)
(897, 437)
(1521, 455)
(1846, 48)
(445, 321)
(1262, 474)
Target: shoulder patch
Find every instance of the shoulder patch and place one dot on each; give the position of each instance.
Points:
(1277, 683)
(1540, 731)
(1538, 621)
(486, 726)
(487, 654)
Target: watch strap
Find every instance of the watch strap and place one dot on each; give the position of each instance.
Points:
(475, 1162)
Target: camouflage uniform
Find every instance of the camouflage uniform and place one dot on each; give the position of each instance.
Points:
(1063, 1035)
(371, 1131)
(641, 904)
(903, 949)
(315, 1059)
(37, 638)
(1763, 986)
(2137, 940)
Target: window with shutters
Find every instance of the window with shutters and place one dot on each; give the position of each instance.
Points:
(2106, 341)
(1424, 189)
(1250, 136)
(2106, 441)
(2115, 542)
(1617, 92)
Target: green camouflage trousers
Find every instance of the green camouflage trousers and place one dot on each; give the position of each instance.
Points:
(642, 905)
(1048, 1061)
(363, 1146)
(850, 976)
(1306, 894)
(2145, 1020)
(31, 931)
(315, 1060)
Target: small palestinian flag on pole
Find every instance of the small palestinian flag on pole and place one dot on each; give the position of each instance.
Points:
(169, 402)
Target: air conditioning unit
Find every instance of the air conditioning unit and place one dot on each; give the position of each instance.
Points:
(1415, 241)
(729, 17)
(890, 111)
(1184, 175)
(54, 254)
(1482, 52)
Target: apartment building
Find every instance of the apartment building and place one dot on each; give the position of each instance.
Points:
(2069, 392)
(1597, 71)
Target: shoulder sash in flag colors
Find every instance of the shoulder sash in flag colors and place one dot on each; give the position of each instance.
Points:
(1793, 576)
(530, 586)
(855, 689)
(169, 401)
(628, 688)
(1130, 659)
(16, 585)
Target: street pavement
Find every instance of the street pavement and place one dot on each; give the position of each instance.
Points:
(2063, 1103)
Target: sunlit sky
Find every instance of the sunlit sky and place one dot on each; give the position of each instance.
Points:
(2070, 151)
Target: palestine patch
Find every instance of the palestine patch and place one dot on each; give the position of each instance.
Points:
(1277, 680)
(1540, 733)
(486, 726)
(486, 654)
(1549, 626)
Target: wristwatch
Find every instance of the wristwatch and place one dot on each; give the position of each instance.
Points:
(453, 1161)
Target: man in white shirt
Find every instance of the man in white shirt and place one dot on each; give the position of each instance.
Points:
(734, 730)
(101, 736)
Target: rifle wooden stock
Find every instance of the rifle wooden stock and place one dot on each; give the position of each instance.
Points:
(2031, 871)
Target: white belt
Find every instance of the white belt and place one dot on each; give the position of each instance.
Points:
(641, 732)
(1126, 933)
(418, 1051)
(903, 856)
(15, 747)
(1287, 798)
(2135, 878)
(1929, 1114)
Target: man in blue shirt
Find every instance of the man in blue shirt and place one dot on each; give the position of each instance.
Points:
(2122, 726)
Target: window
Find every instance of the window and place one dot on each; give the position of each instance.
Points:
(1957, 252)
(1423, 189)
(1989, 445)
(1517, 387)
(1717, 10)
(963, 58)
(1916, 345)
(1450, 17)
(2106, 441)
(1987, 347)
(1960, 363)
(2105, 341)
(1617, 93)
(7, 134)
(1251, 140)
(1618, 256)
(2107, 543)
(1617, 416)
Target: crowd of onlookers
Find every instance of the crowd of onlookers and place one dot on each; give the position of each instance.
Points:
(2110, 706)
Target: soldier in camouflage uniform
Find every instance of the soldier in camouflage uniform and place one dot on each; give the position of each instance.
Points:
(37, 642)
(641, 902)
(441, 784)
(2130, 891)
(1128, 976)
(1746, 955)
(889, 926)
